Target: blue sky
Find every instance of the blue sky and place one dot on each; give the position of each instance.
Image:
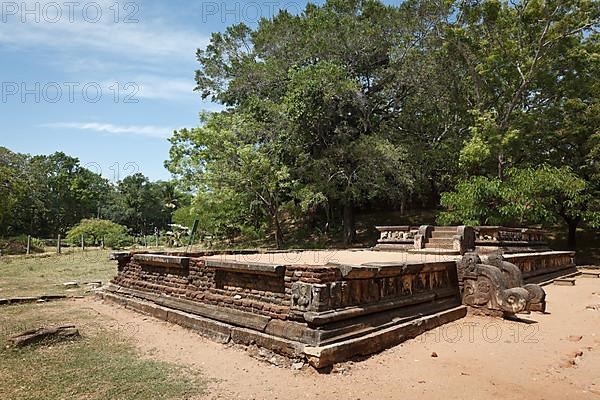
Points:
(56, 55)
(108, 81)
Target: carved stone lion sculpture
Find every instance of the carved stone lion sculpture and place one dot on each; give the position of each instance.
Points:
(497, 287)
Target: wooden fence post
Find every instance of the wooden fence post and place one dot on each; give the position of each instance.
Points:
(58, 245)
(28, 244)
(82, 243)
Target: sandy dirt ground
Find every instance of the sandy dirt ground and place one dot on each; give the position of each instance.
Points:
(545, 356)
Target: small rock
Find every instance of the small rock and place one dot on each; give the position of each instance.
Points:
(297, 366)
(434, 354)
(575, 338)
(263, 353)
(338, 369)
(70, 285)
(237, 297)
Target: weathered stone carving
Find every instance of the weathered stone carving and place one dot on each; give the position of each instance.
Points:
(395, 237)
(422, 236)
(309, 297)
(497, 287)
(464, 240)
(505, 234)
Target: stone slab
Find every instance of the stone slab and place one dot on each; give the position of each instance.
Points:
(435, 251)
(590, 273)
(341, 348)
(324, 356)
(293, 331)
(255, 268)
(228, 315)
(119, 255)
(322, 318)
(214, 330)
(565, 281)
(162, 260)
(249, 337)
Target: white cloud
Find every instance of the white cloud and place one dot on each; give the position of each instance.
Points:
(145, 130)
(156, 87)
(150, 40)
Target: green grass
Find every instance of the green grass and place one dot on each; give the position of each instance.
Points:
(45, 274)
(102, 364)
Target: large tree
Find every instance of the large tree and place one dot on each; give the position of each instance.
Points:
(334, 82)
(45, 195)
(141, 205)
(233, 172)
(520, 55)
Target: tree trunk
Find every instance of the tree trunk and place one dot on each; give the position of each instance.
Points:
(572, 238)
(278, 232)
(402, 205)
(349, 224)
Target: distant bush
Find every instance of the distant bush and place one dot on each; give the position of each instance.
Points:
(95, 230)
(184, 216)
(18, 245)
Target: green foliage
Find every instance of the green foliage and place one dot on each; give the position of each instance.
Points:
(239, 182)
(476, 201)
(96, 230)
(543, 195)
(137, 203)
(184, 216)
(548, 194)
(46, 194)
(524, 59)
(343, 95)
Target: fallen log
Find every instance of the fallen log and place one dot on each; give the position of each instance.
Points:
(37, 335)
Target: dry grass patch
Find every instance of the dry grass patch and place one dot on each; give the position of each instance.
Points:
(102, 364)
(38, 275)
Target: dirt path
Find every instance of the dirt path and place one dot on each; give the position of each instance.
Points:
(478, 358)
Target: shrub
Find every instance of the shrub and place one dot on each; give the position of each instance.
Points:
(96, 230)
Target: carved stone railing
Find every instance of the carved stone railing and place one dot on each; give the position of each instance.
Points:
(396, 237)
(542, 266)
(489, 235)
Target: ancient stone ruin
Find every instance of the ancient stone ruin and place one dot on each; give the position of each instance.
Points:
(497, 287)
(460, 239)
(330, 310)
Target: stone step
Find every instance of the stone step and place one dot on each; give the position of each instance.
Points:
(439, 246)
(565, 281)
(435, 251)
(590, 273)
(438, 241)
(445, 228)
(443, 234)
